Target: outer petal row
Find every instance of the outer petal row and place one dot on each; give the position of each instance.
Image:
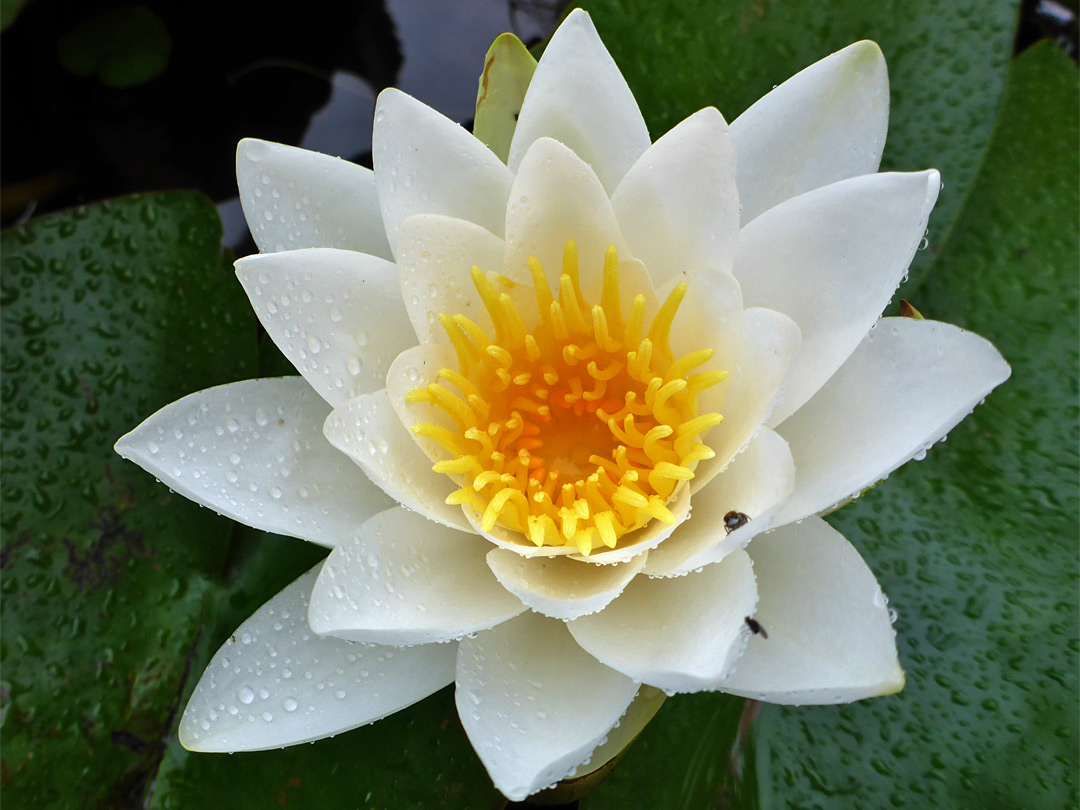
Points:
(274, 683)
(579, 97)
(907, 385)
(427, 164)
(294, 199)
(254, 451)
(824, 124)
(831, 260)
(335, 314)
(533, 703)
(680, 635)
(830, 638)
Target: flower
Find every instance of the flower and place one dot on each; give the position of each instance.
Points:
(522, 367)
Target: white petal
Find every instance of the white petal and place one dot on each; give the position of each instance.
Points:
(368, 431)
(557, 197)
(336, 315)
(427, 164)
(769, 344)
(644, 707)
(831, 260)
(404, 580)
(534, 704)
(254, 451)
(710, 317)
(757, 483)
(294, 199)
(829, 635)
(907, 384)
(560, 587)
(275, 683)
(678, 205)
(415, 368)
(579, 97)
(679, 635)
(647, 537)
(436, 255)
(824, 124)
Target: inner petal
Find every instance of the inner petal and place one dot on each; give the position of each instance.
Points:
(577, 429)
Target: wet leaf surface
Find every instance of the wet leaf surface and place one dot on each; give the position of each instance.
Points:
(108, 314)
(976, 545)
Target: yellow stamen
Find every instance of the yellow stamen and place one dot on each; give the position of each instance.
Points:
(574, 430)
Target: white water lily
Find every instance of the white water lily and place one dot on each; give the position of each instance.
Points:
(548, 399)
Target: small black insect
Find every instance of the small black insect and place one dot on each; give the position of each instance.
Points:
(756, 628)
(733, 520)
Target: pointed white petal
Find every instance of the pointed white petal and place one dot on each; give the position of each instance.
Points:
(335, 314)
(829, 635)
(275, 683)
(824, 124)
(427, 164)
(579, 97)
(770, 343)
(368, 431)
(679, 635)
(757, 483)
(830, 260)
(254, 451)
(557, 197)
(678, 205)
(560, 587)
(436, 255)
(534, 704)
(403, 580)
(294, 199)
(644, 707)
(907, 384)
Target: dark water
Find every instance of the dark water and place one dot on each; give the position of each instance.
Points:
(104, 98)
(195, 77)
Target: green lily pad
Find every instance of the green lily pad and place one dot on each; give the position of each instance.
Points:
(976, 546)
(9, 12)
(109, 313)
(124, 47)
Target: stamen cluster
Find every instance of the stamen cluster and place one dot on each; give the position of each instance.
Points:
(578, 431)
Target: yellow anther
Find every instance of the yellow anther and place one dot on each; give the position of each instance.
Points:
(575, 318)
(570, 268)
(682, 366)
(696, 383)
(660, 331)
(544, 299)
(460, 381)
(458, 410)
(515, 327)
(458, 466)
(447, 439)
(605, 525)
(609, 297)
